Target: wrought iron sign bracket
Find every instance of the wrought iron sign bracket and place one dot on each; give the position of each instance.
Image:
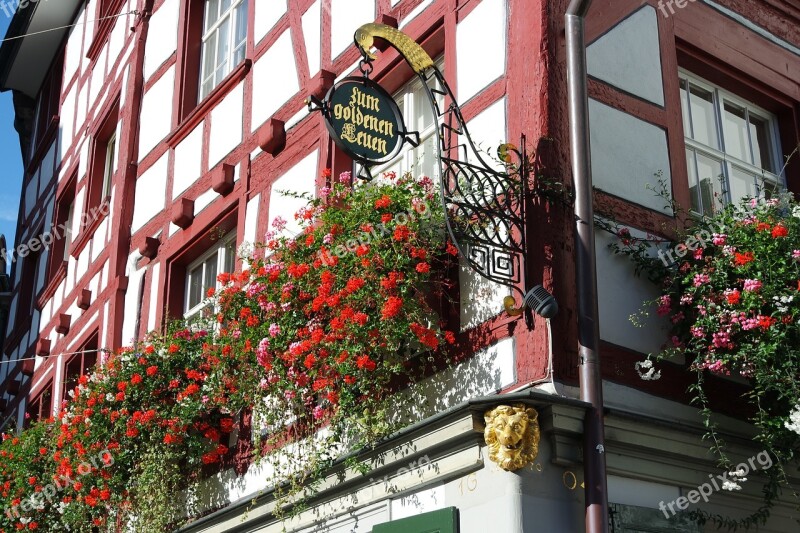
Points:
(485, 204)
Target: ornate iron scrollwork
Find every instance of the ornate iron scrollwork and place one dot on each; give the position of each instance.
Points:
(484, 203)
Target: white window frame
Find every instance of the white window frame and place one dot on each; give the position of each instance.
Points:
(110, 165)
(68, 232)
(230, 14)
(408, 102)
(728, 161)
(220, 245)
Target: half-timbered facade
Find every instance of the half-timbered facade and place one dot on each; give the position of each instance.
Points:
(156, 135)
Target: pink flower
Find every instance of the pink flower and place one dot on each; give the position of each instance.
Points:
(701, 279)
(318, 412)
(279, 223)
(665, 305)
(698, 254)
(796, 255)
(274, 330)
(752, 285)
(262, 353)
(719, 239)
(697, 332)
(346, 177)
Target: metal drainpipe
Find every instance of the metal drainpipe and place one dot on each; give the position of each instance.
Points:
(591, 384)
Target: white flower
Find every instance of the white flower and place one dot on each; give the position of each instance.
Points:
(796, 211)
(793, 424)
(109, 397)
(651, 373)
(245, 250)
(730, 485)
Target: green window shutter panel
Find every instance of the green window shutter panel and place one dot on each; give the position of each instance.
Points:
(442, 521)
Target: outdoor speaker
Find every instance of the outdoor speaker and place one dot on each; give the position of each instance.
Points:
(542, 302)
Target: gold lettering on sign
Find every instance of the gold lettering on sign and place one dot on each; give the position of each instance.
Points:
(356, 114)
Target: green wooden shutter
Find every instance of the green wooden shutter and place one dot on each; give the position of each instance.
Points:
(442, 521)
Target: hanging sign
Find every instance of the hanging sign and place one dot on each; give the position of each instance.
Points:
(364, 120)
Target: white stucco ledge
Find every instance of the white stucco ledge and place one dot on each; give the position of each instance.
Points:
(450, 444)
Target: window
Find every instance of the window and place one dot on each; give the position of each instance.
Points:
(47, 105)
(202, 274)
(224, 41)
(732, 148)
(415, 107)
(64, 217)
(104, 160)
(27, 290)
(79, 364)
(110, 165)
(39, 409)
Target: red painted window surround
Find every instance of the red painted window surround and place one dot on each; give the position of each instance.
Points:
(105, 20)
(96, 177)
(195, 246)
(41, 407)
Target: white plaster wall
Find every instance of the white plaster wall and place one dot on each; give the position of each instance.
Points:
(156, 118)
(626, 154)
(411, 15)
(482, 299)
(149, 200)
(622, 294)
(154, 281)
(164, 39)
(480, 48)
(346, 17)
(80, 110)
(72, 59)
(117, 39)
(31, 195)
(131, 299)
(312, 34)
(629, 56)
(226, 126)
(268, 12)
(187, 161)
(65, 124)
(273, 91)
(301, 178)
(251, 220)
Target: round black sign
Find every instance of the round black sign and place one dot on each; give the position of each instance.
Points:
(364, 120)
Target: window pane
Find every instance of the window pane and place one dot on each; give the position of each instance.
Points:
(223, 43)
(225, 5)
(209, 60)
(736, 132)
(703, 116)
(68, 233)
(709, 172)
(212, 13)
(241, 24)
(230, 257)
(694, 189)
(742, 184)
(687, 126)
(762, 148)
(195, 287)
(210, 273)
(423, 112)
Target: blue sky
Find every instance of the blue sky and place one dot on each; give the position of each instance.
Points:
(10, 160)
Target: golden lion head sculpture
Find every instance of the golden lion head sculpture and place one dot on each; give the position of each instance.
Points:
(512, 435)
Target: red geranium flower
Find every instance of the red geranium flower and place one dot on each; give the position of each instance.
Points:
(779, 231)
(392, 307)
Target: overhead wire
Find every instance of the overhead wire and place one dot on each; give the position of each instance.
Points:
(133, 12)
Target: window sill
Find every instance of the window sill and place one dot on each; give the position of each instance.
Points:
(88, 232)
(204, 107)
